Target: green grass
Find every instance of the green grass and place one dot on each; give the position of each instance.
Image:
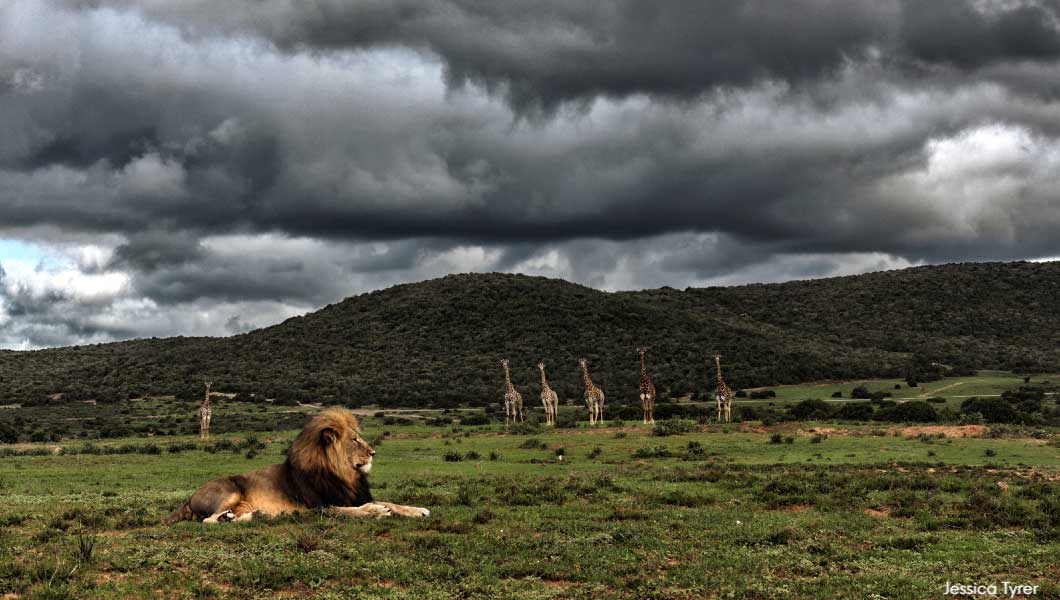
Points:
(741, 518)
(955, 389)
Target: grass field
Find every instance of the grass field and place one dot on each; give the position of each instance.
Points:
(718, 513)
(954, 389)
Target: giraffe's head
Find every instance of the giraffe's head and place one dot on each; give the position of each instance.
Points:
(541, 365)
(642, 350)
(504, 363)
(583, 363)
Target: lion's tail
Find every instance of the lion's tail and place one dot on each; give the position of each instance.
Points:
(184, 513)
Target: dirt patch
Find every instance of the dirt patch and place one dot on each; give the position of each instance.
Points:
(824, 431)
(950, 431)
(879, 514)
(797, 508)
(945, 387)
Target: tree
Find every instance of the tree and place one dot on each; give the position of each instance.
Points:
(993, 410)
(810, 410)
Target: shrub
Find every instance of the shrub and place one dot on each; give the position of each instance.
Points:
(855, 411)
(817, 438)
(789, 440)
(837, 394)
(595, 452)
(656, 452)
(776, 438)
(478, 418)
(452, 456)
(525, 428)
(990, 452)
(992, 410)
(533, 444)
(673, 427)
(494, 456)
(861, 392)
(695, 450)
(915, 411)
(472, 455)
(812, 409)
(936, 400)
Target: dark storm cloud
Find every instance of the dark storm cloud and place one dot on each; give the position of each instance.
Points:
(541, 54)
(201, 166)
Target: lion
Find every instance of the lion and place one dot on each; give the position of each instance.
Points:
(326, 468)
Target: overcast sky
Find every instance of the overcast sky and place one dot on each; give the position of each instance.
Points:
(199, 167)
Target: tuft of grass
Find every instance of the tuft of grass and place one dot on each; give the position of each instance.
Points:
(86, 546)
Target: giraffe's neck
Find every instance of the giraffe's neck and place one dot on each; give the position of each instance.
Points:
(585, 377)
(721, 382)
(508, 380)
(643, 370)
(544, 380)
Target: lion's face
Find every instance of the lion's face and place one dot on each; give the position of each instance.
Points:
(360, 453)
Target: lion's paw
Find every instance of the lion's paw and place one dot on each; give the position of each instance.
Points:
(377, 510)
(223, 517)
(420, 512)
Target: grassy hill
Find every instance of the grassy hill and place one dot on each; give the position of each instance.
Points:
(438, 342)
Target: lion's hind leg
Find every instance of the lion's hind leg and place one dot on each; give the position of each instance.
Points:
(215, 502)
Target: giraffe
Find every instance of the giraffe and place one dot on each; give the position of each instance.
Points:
(204, 414)
(647, 390)
(723, 394)
(513, 400)
(548, 397)
(594, 396)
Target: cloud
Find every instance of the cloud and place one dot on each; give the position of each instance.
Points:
(237, 166)
(547, 53)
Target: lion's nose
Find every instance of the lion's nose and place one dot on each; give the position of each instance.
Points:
(371, 452)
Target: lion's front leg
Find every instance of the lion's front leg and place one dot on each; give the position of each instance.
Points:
(406, 511)
(372, 509)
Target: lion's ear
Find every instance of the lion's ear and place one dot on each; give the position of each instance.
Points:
(328, 436)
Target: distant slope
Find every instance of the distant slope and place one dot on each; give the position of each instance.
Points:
(438, 342)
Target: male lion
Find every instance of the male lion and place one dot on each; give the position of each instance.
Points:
(326, 468)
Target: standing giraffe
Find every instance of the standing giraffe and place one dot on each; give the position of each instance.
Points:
(548, 397)
(204, 414)
(513, 400)
(594, 396)
(723, 394)
(647, 390)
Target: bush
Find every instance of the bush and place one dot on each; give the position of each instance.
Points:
(860, 392)
(817, 438)
(855, 411)
(695, 450)
(656, 452)
(776, 438)
(837, 394)
(936, 400)
(452, 456)
(473, 419)
(991, 410)
(673, 427)
(472, 455)
(810, 410)
(533, 444)
(915, 411)
(525, 428)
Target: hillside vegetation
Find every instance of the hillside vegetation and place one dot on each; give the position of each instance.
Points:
(439, 342)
